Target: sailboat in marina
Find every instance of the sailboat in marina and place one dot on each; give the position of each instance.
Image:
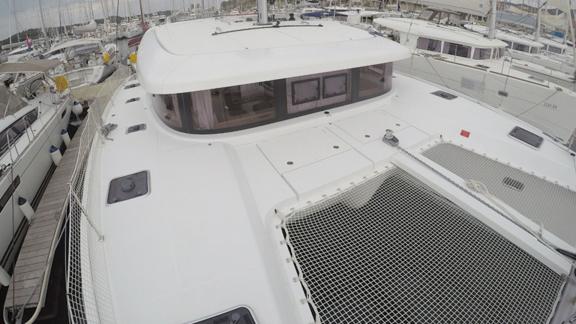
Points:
(284, 172)
(32, 129)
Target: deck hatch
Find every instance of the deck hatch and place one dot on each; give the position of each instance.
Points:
(540, 200)
(444, 95)
(130, 86)
(136, 128)
(526, 136)
(239, 315)
(392, 250)
(128, 187)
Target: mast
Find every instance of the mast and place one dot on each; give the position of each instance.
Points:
(492, 20)
(262, 12)
(538, 21)
(141, 15)
(42, 18)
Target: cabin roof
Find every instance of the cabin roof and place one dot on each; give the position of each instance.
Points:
(441, 32)
(214, 53)
(500, 34)
(76, 42)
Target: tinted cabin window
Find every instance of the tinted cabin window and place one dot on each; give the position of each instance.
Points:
(521, 47)
(429, 44)
(374, 80)
(482, 53)
(237, 107)
(12, 133)
(554, 49)
(457, 49)
(313, 92)
(534, 50)
(509, 43)
(169, 111)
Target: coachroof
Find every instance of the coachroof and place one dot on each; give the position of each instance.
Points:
(440, 32)
(214, 53)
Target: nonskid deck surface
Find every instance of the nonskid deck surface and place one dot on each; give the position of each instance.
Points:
(547, 204)
(392, 250)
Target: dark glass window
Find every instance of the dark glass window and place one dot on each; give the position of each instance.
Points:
(534, 50)
(318, 91)
(429, 44)
(521, 47)
(169, 111)
(243, 106)
(335, 85)
(31, 117)
(482, 53)
(554, 49)
(305, 91)
(374, 80)
(457, 49)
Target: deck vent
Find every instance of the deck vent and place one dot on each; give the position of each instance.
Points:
(130, 86)
(512, 183)
(542, 201)
(535, 78)
(132, 99)
(444, 95)
(136, 128)
(526, 136)
(392, 250)
(237, 316)
(483, 66)
(128, 187)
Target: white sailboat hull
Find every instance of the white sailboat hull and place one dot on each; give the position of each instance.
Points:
(32, 160)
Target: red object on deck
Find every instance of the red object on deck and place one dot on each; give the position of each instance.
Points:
(464, 133)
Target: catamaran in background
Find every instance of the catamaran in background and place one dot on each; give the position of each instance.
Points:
(478, 67)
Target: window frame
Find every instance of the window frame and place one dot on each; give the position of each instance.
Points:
(458, 46)
(282, 97)
(293, 83)
(430, 39)
(346, 88)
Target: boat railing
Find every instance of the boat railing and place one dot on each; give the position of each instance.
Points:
(84, 305)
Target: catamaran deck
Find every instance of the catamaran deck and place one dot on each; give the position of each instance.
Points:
(33, 264)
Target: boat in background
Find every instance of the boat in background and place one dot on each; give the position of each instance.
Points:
(476, 66)
(32, 130)
(86, 62)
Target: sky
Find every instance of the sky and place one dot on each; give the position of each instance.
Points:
(26, 13)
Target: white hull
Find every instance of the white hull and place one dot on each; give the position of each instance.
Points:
(543, 106)
(32, 162)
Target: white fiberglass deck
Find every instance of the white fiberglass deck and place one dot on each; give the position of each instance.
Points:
(205, 238)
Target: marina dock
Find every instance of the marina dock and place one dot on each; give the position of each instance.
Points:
(32, 270)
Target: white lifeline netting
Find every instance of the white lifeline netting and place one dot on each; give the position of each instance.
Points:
(542, 201)
(391, 250)
(84, 305)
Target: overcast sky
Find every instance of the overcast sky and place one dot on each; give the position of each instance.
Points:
(24, 14)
